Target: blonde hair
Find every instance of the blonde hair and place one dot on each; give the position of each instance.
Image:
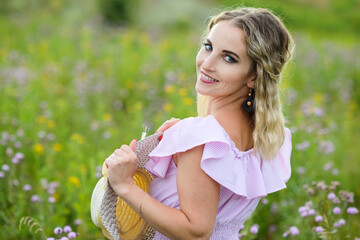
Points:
(270, 47)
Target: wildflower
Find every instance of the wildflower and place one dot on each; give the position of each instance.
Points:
(27, 187)
(341, 222)
(39, 148)
(311, 212)
(50, 238)
(2, 175)
(15, 182)
(335, 171)
(58, 230)
(272, 228)
(50, 137)
(318, 218)
(331, 196)
(285, 234)
(72, 235)
(78, 138)
(168, 107)
(106, 135)
(51, 124)
(51, 199)
(254, 229)
(41, 134)
(328, 166)
(336, 210)
(67, 229)
(265, 201)
(326, 147)
(107, 117)
(77, 221)
(188, 101)
(35, 198)
(17, 144)
(294, 231)
(169, 89)
(352, 211)
(302, 146)
(319, 229)
(98, 175)
(57, 147)
(74, 180)
(64, 238)
(301, 170)
(5, 168)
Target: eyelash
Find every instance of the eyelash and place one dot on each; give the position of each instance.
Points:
(231, 59)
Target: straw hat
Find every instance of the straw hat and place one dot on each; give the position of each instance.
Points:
(112, 214)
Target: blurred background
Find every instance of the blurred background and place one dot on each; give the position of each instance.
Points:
(80, 78)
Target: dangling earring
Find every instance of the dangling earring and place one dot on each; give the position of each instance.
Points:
(249, 103)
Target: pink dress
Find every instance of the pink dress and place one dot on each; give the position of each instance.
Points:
(244, 177)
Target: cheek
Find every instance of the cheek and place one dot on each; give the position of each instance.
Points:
(199, 59)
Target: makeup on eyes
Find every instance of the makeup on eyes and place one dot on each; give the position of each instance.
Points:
(209, 43)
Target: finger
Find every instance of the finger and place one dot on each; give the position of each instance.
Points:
(132, 145)
(168, 124)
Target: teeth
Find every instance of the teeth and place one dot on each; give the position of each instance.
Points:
(209, 79)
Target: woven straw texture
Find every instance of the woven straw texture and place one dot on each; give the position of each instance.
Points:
(118, 218)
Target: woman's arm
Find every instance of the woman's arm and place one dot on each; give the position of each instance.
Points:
(198, 196)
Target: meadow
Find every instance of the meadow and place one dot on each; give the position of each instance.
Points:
(73, 89)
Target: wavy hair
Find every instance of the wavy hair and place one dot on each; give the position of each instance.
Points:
(269, 46)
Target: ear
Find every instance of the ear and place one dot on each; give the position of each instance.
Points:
(251, 82)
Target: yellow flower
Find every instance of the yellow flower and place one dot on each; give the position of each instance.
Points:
(57, 147)
(41, 119)
(51, 124)
(107, 117)
(169, 89)
(78, 138)
(39, 148)
(183, 92)
(318, 97)
(129, 84)
(181, 76)
(167, 107)
(188, 101)
(74, 180)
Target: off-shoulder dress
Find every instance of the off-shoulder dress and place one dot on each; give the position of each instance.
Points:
(244, 177)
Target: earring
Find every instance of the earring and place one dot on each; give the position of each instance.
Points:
(249, 103)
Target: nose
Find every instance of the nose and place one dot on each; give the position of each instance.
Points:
(209, 63)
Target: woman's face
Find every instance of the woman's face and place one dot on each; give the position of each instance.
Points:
(222, 64)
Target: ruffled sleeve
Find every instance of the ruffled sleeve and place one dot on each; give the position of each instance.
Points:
(243, 173)
(185, 135)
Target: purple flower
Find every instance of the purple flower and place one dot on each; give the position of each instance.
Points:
(335, 171)
(254, 229)
(50, 238)
(352, 211)
(341, 222)
(72, 235)
(35, 198)
(311, 212)
(5, 168)
(64, 238)
(15, 182)
(318, 218)
(67, 229)
(285, 234)
(2, 175)
(301, 170)
(264, 201)
(58, 230)
(51, 199)
(328, 166)
(336, 210)
(294, 231)
(78, 222)
(19, 156)
(272, 228)
(241, 227)
(98, 175)
(302, 146)
(331, 196)
(27, 187)
(319, 229)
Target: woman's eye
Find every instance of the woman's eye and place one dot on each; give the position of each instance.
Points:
(229, 59)
(207, 47)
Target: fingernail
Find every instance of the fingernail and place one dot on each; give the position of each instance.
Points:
(160, 138)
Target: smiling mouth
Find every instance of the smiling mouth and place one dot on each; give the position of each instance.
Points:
(206, 78)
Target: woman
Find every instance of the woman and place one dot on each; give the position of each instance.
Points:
(212, 170)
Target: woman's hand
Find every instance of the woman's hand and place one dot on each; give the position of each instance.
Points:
(122, 165)
(169, 123)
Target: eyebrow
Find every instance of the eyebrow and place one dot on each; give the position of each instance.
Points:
(225, 51)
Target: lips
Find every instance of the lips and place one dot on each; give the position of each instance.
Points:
(207, 79)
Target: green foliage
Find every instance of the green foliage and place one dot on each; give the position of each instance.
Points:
(117, 11)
